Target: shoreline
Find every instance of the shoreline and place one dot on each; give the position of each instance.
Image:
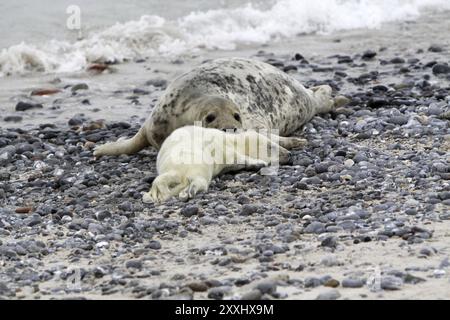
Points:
(111, 92)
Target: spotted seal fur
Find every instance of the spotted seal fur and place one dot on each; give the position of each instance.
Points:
(229, 93)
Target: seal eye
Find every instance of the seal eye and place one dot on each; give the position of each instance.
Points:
(237, 117)
(210, 118)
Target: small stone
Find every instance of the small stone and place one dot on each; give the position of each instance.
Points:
(391, 283)
(24, 210)
(141, 91)
(410, 279)
(398, 120)
(332, 294)
(13, 118)
(398, 60)
(427, 251)
(189, 211)
(435, 48)
(441, 68)
(321, 167)
(218, 293)
(44, 92)
(207, 220)
(154, 244)
(377, 103)
(98, 67)
(289, 68)
(102, 215)
(134, 264)
(349, 163)
(267, 287)
(352, 283)
(221, 209)
(312, 282)
(198, 286)
(439, 273)
(95, 137)
(157, 83)
(4, 290)
(80, 86)
(363, 136)
(77, 120)
(34, 220)
(24, 147)
(242, 199)
(444, 195)
(268, 253)
(332, 283)
(444, 263)
(330, 242)
(315, 227)
(369, 55)
(345, 59)
(248, 209)
(102, 244)
(380, 88)
(24, 106)
(445, 116)
(298, 57)
(125, 206)
(252, 295)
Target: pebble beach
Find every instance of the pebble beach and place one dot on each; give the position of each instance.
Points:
(362, 212)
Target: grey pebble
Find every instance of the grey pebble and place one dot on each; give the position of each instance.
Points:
(315, 227)
(189, 211)
(218, 293)
(353, 283)
(332, 294)
(134, 264)
(154, 244)
(249, 209)
(252, 295)
(391, 283)
(267, 287)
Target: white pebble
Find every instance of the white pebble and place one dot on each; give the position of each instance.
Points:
(439, 273)
(349, 163)
(102, 244)
(66, 219)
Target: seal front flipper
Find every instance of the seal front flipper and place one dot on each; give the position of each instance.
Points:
(126, 146)
(165, 187)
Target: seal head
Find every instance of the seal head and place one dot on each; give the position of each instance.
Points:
(218, 113)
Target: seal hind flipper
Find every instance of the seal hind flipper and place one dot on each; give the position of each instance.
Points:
(323, 96)
(341, 101)
(327, 104)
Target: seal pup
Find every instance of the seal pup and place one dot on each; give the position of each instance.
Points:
(192, 156)
(229, 93)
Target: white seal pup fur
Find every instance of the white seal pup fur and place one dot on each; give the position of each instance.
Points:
(225, 94)
(192, 156)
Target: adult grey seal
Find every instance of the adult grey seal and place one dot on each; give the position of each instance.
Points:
(229, 93)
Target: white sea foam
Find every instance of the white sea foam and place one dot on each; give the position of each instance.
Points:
(221, 29)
